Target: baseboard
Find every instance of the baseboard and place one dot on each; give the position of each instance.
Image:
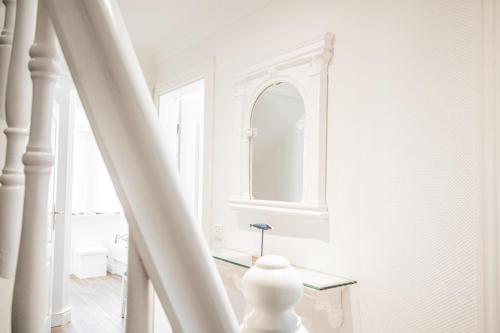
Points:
(61, 318)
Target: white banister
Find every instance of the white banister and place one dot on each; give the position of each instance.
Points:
(6, 37)
(272, 287)
(139, 293)
(30, 308)
(122, 115)
(17, 108)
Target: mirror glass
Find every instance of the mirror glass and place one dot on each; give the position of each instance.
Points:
(277, 144)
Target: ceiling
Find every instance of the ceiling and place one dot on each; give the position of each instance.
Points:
(166, 26)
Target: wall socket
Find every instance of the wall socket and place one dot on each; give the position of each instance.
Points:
(218, 232)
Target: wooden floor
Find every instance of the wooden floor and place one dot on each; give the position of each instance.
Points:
(95, 306)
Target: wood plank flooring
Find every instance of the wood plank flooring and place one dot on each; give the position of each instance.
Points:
(95, 306)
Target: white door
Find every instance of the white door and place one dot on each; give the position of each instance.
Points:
(181, 115)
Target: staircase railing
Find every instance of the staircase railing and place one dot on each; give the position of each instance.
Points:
(34, 262)
(167, 248)
(6, 37)
(17, 115)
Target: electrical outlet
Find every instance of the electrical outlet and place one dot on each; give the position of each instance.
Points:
(218, 232)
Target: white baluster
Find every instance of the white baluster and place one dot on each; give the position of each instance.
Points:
(17, 108)
(30, 309)
(139, 293)
(6, 37)
(272, 287)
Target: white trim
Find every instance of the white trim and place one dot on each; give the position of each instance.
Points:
(206, 72)
(280, 207)
(61, 318)
(490, 174)
(67, 98)
(302, 53)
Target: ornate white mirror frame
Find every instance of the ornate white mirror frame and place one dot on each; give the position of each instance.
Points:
(306, 68)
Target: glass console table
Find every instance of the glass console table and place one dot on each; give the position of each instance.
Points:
(311, 279)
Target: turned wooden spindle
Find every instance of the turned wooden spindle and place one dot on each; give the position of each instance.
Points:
(6, 37)
(272, 287)
(139, 293)
(17, 109)
(30, 309)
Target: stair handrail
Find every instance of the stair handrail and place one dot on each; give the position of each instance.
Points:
(121, 113)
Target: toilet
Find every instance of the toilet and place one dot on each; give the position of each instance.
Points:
(90, 262)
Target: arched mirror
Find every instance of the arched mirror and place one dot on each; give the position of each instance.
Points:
(277, 144)
(283, 104)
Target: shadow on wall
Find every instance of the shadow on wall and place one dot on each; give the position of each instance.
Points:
(287, 226)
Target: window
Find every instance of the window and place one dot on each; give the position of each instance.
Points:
(93, 191)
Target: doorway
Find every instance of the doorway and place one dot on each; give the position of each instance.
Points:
(87, 213)
(181, 114)
(90, 243)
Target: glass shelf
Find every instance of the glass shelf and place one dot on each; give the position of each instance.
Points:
(311, 279)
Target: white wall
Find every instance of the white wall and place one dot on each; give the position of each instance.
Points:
(97, 230)
(403, 152)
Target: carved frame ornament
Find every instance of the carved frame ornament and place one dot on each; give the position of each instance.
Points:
(306, 68)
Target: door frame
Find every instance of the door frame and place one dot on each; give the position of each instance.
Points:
(66, 95)
(205, 71)
(490, 177)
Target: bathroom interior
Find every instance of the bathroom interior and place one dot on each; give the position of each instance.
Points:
(97, 229)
